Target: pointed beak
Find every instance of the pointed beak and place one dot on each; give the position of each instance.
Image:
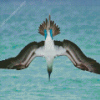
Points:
(49, 73)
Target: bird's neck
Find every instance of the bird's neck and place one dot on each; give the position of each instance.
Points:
(48, 38)
(49, 44)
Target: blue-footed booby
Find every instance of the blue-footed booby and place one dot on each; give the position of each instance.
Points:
(51, 49)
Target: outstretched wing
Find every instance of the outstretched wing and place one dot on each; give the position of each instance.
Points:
(24, 58)
(77, 57)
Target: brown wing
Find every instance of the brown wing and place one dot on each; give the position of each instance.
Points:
(90, 65)
(23, 59)
(78, 58)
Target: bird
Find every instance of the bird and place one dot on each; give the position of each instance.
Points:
(49, 49)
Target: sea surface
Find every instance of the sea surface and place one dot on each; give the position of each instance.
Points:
(79, 22)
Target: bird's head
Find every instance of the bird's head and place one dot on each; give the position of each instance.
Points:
(49, 27)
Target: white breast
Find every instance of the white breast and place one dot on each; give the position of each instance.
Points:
(49, 44)
(49, 50)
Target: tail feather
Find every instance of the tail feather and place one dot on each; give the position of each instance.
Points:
(51, 24)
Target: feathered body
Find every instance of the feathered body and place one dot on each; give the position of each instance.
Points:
(49, 50)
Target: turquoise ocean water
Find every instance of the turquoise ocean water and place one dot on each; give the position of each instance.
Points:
(79, 22)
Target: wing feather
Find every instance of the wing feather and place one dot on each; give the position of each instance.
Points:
(78, 58)
(23, 59)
